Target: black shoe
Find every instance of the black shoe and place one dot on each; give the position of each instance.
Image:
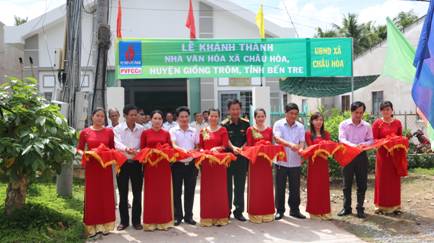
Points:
(344, 212)
(177, 222)
(297, 215)
(122, 227)
(240, 218)
(278, 216)
(190, 221)
(361, 214)
(138, 227)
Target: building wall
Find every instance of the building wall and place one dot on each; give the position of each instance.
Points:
(11, 65)
(305, 104)
(9, 54)
(207, 95)
(227, 25)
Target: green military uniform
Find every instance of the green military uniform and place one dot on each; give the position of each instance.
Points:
(238, 168)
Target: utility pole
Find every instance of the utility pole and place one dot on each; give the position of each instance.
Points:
(71, 83)
(103, 43)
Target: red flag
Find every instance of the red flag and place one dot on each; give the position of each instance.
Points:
(190, 22)
(119, 21)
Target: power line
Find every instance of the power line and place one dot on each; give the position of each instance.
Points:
(293, 25)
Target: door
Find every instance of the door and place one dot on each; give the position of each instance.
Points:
(163, 94)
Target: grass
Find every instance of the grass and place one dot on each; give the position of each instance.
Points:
(46, 217)
(423, 171)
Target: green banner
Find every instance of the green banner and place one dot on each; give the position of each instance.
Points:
(274, 57)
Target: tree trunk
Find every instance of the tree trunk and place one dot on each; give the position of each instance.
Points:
(16, 195)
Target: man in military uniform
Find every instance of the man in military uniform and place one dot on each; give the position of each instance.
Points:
(237, 171)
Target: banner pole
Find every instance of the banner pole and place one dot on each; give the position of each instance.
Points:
(352, 70)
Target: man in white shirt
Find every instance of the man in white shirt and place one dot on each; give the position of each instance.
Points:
(147, 123)
(198, 123)
(114, 116)
(127, 140)
(289, 133)
(186, 138)
(169, 122)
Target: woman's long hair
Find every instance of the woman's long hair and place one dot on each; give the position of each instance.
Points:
(313, 117)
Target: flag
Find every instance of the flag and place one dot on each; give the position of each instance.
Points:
(399, 63)
(119, 21)
(399, 57)
(260, 21)
(423, 86)
(190, 22)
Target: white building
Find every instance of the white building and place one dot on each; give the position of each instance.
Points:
(43, 39)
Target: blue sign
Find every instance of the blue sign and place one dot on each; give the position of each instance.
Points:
(130, 58)
(130, 54)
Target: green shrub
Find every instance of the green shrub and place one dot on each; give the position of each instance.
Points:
(420, 161)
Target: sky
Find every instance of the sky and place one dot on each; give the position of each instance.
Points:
(305, 14)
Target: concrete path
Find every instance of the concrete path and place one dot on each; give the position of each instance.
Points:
(285, 230)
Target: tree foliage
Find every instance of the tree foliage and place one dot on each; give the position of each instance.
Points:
(365, 35)
(35, 139)
(19, 20)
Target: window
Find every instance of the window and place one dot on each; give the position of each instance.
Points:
(377, 99)
(275, 102)
(48, 95)
(48, 81)
(285, 99)
(245, 97)
(206, 22)
(345, 103)
(84, 82)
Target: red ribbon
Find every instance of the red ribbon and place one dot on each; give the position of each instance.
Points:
(397, 147)
(264, 149)
(105, 156)
(161, 152)
(220, 158)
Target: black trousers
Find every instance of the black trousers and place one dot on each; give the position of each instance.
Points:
(186, 174)
(131, 170)
(236, 181)
(293, 176)
(358, 167)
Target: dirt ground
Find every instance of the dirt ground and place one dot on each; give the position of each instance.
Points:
(416, 224)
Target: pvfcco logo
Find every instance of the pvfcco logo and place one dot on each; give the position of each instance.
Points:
(130, 57)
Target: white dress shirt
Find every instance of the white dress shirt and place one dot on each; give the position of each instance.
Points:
(185, 139)
(127, 138)
(167, 126)
(199, 126)
(292, 133)
(147, 125)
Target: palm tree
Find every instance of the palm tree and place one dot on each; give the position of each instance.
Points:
(19, 20)
(325, 34)
(405, 19)
(352, 29)
(366, 35)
